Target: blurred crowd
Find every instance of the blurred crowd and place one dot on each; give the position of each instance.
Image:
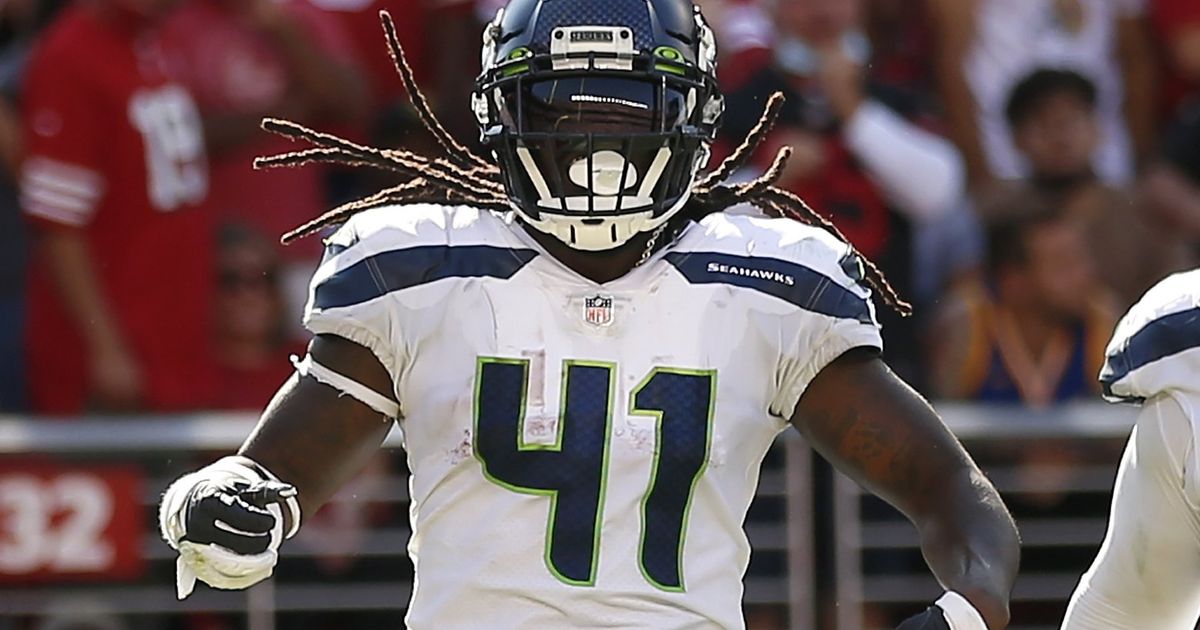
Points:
(1020, 171)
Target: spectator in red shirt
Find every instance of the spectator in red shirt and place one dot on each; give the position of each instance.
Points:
(246, 59)
(115, 183)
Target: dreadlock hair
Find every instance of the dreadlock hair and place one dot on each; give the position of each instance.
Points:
(461, 176)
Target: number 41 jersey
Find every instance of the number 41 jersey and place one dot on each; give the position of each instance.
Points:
(583, 454)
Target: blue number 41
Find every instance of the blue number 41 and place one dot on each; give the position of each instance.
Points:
(573, 471)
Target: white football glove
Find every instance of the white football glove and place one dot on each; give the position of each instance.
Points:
(226, 521)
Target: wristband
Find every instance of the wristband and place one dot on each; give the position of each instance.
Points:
(959, 612)
(346, 385)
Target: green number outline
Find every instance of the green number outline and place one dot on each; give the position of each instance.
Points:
(521, 446)
(687, 509)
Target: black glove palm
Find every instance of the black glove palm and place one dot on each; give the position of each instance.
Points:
(234, 515)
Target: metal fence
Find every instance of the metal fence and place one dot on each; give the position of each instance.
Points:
(824, 556)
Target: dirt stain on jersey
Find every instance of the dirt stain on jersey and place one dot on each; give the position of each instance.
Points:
(463, 451)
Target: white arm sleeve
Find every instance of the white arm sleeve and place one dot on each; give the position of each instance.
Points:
(346, 385)
(1147, 574)
(922, 173)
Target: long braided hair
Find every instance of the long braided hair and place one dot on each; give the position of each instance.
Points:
(460, 176)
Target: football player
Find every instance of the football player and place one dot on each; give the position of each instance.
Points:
(1146, 574)
(588, 359)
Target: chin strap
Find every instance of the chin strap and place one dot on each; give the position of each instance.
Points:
(652, 244)
(665, 236)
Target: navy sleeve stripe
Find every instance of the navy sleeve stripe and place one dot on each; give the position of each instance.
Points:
(1157, 340)
(402, 269)
(796, 284)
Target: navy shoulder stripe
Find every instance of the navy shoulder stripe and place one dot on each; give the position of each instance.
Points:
(401, 269)
(802, 286)
(1157, 340)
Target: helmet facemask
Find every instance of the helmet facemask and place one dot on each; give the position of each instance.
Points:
(596, 146)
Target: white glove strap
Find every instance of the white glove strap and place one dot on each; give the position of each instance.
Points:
(347, 386)
(959, 612)
(171, 508)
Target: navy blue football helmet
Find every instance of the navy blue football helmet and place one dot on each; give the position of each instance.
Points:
(601, 113)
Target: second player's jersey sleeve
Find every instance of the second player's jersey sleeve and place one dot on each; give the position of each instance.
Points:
(1156, 347)
(835, 314)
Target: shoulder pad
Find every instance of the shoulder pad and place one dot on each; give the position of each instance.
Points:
(1156, 346)
(800, 264)
(392, 227)
(394, 248)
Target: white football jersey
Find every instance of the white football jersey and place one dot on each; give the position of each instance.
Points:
(1146, 575)
(583, 454)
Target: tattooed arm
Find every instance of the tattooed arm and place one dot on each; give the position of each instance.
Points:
(878, 431)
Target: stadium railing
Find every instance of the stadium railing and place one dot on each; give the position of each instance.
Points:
(77, 524)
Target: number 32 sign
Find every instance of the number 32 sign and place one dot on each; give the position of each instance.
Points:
(62, 523)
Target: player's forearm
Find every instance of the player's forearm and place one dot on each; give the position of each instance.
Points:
(314, 438)
(895, 445)
(971, 544)
(71, 265)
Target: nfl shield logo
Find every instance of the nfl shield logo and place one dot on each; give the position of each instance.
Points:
(598, 310)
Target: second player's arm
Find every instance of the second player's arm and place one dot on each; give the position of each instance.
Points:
(874, 428)
(315, 437)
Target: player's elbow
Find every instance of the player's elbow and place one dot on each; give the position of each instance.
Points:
(976, 512)
(972, 542)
